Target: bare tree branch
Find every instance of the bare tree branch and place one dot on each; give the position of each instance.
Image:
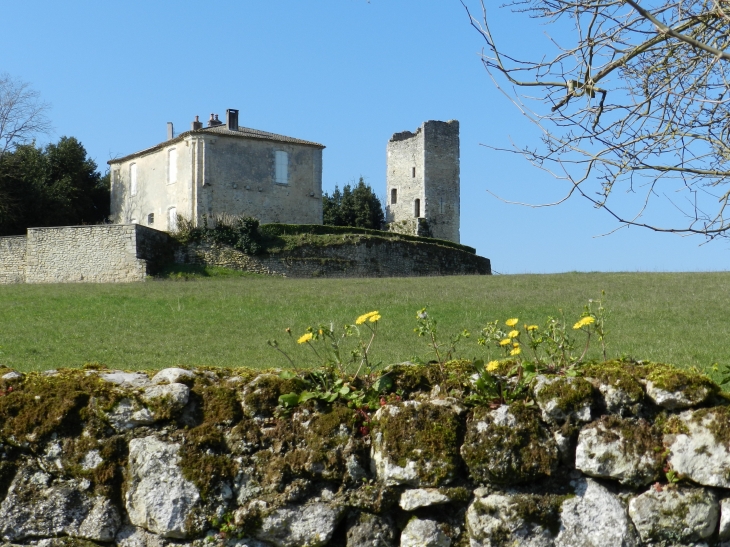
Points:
(22, 113)
(639, 101)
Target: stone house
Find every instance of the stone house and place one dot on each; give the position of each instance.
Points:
(221, 169)
(423, 186)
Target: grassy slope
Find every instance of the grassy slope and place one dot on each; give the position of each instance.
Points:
(681, 318)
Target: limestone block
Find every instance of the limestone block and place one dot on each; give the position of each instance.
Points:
(594, 517)
(367, 530)
(173, 396)
(128, 414)
(300, 526)
(126, 379)
(410, 500)
(627, 450)
(173, 375)
(158, 497)
(37, 505)
(563, 398)
(700, 448)
(508, 445)
(678, 514)
(725, 519)
(423, 533)
(428, 457)
(496, 519)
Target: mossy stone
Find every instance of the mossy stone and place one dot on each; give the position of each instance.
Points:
(508, 445)
(421, 436)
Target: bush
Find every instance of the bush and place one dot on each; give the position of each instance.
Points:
(241, 233)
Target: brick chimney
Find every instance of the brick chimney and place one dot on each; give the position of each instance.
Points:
(232, 119)
(197, 124)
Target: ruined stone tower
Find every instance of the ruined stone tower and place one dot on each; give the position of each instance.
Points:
(423, 181)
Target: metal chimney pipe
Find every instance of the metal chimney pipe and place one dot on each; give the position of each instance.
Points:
(170, 131)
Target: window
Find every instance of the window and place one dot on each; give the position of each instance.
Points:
(442, 207)
(172, 219)
(413, 173)
(172, 166)
(133, 179)
(281, 167)
(151, 219)
(115, 176)
(417, 208)
(393, 196)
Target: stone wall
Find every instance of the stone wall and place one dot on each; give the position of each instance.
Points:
(623, 455)
(348, 256)
(108, 253)
(12, 259)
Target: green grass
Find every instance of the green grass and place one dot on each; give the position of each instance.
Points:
(220, 320)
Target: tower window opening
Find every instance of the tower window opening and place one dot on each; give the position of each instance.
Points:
(151, 219)
(417, 208)
(413, 173)
(393, 196)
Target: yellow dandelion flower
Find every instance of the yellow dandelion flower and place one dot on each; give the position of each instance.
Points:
(505, 342)
(492, 366)
(515, 345)
(515, 351)
(584, 322)
(513, 333)
(531, 327)
(304, 338)
(512, 322)
(360, 320)
(374, 318)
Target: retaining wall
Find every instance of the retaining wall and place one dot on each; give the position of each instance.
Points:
(351, 256)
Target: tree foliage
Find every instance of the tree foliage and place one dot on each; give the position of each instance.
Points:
(358, 207)
(55, 185)
(635, 101)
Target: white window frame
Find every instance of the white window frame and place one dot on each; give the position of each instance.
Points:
(172, 166)
(281, 167)
(133, 179)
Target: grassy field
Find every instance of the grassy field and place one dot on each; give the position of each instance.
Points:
(679, 318)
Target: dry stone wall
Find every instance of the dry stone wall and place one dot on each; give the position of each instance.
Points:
(625, 455)
(348, 256)
(12, 259)
(109, 253)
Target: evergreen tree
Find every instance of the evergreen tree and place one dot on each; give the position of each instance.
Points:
(57, 185)
(358, 207)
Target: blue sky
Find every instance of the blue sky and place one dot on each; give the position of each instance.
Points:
(346, 73)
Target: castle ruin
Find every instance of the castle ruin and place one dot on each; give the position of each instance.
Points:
(423, 181)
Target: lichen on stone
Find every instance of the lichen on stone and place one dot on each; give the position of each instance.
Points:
(509, 445)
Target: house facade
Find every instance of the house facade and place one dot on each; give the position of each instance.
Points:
(221, 169)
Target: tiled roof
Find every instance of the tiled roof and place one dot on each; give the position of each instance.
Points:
(222, 130)
(254, 134)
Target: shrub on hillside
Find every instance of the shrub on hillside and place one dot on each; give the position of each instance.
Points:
(241, 233)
